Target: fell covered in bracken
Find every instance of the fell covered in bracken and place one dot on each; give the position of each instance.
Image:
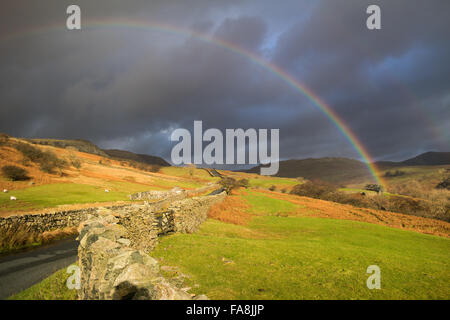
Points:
(327, 209)
(233, 210)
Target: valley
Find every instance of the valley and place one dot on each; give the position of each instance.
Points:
(263, 241)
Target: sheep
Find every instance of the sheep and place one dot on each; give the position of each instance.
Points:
(12, 198)
(106, 190)
(5, 191)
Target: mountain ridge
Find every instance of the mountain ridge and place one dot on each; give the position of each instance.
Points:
(87, 146)
(345, 170)
(139, 157)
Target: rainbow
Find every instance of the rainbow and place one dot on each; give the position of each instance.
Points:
(280, 73)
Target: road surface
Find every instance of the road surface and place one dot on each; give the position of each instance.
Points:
(22, 270)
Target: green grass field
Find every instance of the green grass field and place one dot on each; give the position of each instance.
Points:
(51, 288)
(280, 183)
(187, 172)
(52, 195)
(308, 258)
(261, 204)
(174, 183)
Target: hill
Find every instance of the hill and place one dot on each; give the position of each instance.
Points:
(350, 171)
(335, 170)
(257, 242)
(86, 146)
(279, 250)
(424, 159)
(145, 158)
(79, 144)
(78, 178)
(428, 159)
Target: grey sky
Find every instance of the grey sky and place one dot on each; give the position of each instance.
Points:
(124, 87)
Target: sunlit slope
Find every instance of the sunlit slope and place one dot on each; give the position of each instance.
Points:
(277, 255)
(86, 178)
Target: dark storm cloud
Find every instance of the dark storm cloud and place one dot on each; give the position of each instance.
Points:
(129, 88)
(377, 81)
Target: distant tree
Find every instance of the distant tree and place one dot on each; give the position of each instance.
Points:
(154, 168)
(374, 187)
(30, 152)
(243, 183)
(314, 189)
(4, 139)
(15, 173)
(74, 160)
(50, 162)
(396, 173)
(47, 160)
(229, 184)
(444, 184)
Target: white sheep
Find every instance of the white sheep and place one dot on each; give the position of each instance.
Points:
(106, 190)
(12, 198)
(5, 191)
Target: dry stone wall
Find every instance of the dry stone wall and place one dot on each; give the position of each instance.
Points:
(146, 222)
(47, 221)
(115, 241)
(174, 194)
(114, 246)
(112, 270)
(189, 214)
(72, 218)
(156, 194)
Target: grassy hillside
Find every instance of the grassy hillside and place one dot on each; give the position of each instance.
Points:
(279, 256)
(429, 159)
(80, 145)
(88, 147)
(261, 242)
(53, 195)
(290, 247)
(352, 172)
(82, 179)
(428, 176)
(335, 170)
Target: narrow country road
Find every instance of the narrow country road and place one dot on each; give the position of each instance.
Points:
(22, 270)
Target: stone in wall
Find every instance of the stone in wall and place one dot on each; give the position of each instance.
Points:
(141, 224)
